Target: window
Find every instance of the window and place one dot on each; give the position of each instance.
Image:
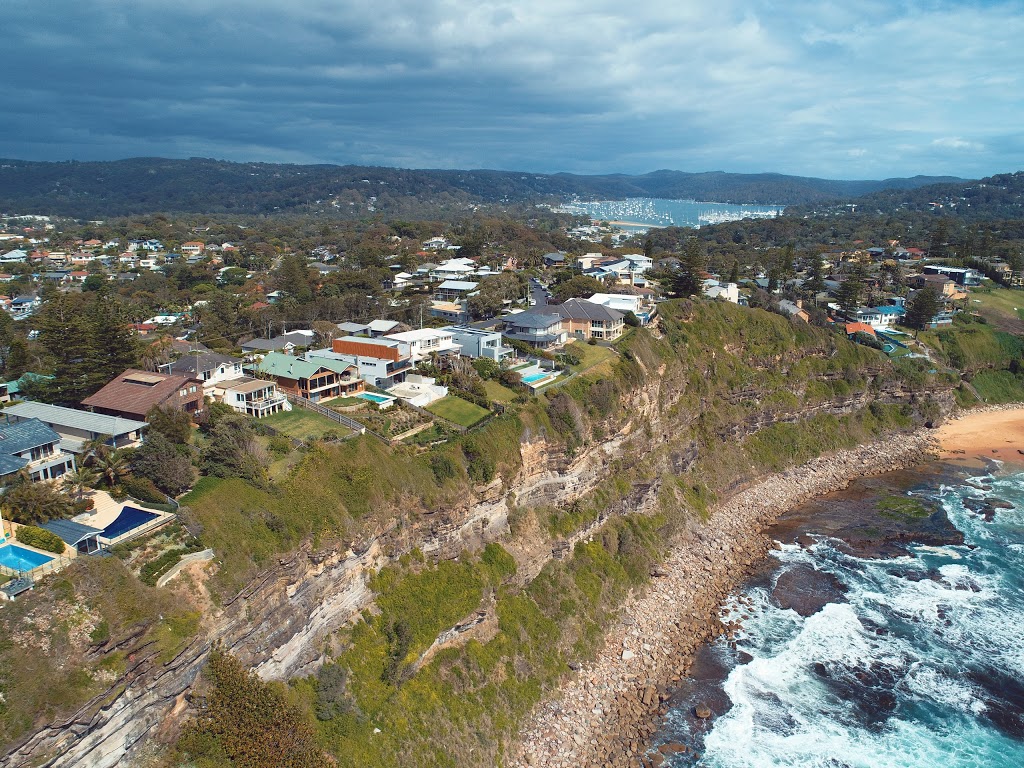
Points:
(183, 392)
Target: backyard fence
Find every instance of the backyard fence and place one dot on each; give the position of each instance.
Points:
(334, 416)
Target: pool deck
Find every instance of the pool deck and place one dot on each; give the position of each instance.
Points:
(107, 510)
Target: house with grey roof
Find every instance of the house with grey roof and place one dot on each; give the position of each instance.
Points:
(32, 446)
(541, 327)
(286, 342)
(76, 427)
(210, 367)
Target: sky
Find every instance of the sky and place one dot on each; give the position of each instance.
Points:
(853, 89)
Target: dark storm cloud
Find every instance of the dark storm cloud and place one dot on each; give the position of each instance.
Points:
(846, 90)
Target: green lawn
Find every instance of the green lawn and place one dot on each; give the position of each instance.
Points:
(591, 356)
(458, 410)
(498, 393)
(998, 304)
(343, 401)
(302, 424)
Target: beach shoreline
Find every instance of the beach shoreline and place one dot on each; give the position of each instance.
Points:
(605, 714)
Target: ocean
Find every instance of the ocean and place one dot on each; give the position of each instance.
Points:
(645, 212)
(847, 656)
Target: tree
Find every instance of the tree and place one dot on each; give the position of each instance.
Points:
(164, 464)
(848, 296)
(940, 235)
(692, 264)
(80, 479)
(734, 275)
(922, 307)
(112, 466)
(233, 451)
(173, 423)
(30, 503)
(577, 286)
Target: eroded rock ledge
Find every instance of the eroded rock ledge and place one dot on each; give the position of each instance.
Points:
(604, 714)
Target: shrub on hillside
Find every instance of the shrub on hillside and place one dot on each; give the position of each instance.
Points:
(40, 538)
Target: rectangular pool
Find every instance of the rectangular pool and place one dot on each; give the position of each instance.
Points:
(374, 397)
(536, 377)
(20, 559)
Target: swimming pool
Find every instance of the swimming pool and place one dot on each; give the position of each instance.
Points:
(374, 397)
(20, 559)
(129, 519)
(536, 377)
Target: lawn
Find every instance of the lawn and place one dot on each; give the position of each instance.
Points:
(1002, 306)
(302, 424)
(498, 393)
(458, 410)
(591, 357)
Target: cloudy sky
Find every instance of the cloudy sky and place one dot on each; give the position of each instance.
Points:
(853, 89)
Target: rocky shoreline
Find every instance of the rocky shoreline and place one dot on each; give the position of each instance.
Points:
(605, 714)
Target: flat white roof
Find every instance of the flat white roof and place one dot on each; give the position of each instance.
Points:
(420, 334)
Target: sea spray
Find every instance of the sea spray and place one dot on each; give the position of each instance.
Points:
(919, 663)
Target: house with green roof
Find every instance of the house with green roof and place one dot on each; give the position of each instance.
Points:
(315, 379)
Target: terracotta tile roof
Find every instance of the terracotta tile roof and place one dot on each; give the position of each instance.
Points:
(134, 392)
(852, 328)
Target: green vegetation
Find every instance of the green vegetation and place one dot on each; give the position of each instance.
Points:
(302, 424)
(499, 393)
(40, 538)
(457, 410)
(999, 386)
(902, 508)
(248, 723)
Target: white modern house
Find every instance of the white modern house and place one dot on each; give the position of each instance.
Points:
(477, 342)
(426, 341)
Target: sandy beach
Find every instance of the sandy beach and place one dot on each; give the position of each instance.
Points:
(994, 433)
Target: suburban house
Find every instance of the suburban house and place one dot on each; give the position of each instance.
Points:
(539, 327)
(586, 320)
(946, 288)
(880, 318)
(715, 290)
(314, 378)
(376, 328)
(478, 342)
(553, 259)
(134, 392)
(454, 290)
(33, 447)
(76, 427)
(959, 275)
(427, 341)
(253, 397)
(381, 362)
(210, 367)
(17, 256)
(286, 342)
(193, 248)
(794, 309)
(640, 305)
(11, 389)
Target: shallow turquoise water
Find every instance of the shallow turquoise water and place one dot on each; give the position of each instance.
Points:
(922, 665)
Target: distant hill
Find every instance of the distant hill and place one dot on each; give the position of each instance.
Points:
(995, 197)
(198, 185)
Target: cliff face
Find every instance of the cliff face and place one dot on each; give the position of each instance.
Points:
(281, 623)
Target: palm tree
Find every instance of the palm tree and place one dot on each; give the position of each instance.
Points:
(80, 479)
(33, 503)
(112, 466)
(92, 449)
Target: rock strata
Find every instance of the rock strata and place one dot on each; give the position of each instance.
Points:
(605, 714)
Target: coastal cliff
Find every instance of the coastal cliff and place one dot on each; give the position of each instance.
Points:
(687, 431)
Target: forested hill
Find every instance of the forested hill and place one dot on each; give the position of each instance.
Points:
(992, 198)
(147, 185)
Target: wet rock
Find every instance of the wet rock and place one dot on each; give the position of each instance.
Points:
(806, 590)
(702, 711)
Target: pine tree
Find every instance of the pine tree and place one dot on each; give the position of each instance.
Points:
(734, 276)
(924, 305)
(692, 265)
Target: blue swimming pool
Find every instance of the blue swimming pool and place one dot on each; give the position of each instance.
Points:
(21, 559)
(536, 377)
(129, 519)
(374, 397)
